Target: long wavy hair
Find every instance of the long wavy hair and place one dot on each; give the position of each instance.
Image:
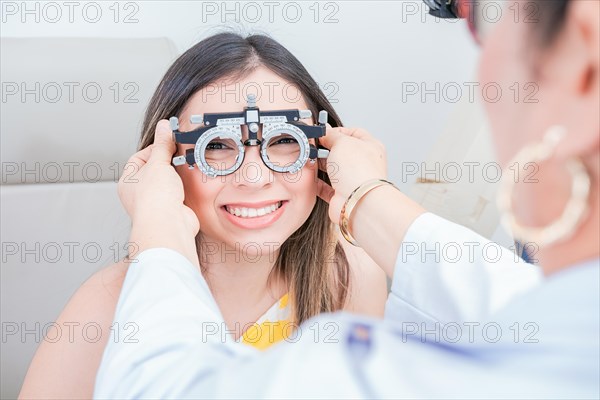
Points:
(311, 261)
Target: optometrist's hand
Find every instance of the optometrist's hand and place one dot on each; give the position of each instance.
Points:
(382, 217)
(355, 157)
(153, 197)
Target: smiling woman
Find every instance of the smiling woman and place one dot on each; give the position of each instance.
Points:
(259, 259)
(283, 251)
(266, 246)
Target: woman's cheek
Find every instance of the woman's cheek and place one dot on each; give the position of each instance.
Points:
(198, 195)
(191, 200)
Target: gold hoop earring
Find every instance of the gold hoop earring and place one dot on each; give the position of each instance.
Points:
(573, 213)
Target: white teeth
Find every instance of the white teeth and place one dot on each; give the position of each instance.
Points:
(252, 212)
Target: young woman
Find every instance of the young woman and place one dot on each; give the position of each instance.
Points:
(266, 246)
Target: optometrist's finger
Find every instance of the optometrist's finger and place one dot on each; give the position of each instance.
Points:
(357, 133)
(164, 145)
(331, 137)
(138, 160)
(324, 191)
(322, 164)
(131, 174)
(335, 201)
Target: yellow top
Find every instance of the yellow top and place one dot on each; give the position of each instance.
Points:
(274, 326)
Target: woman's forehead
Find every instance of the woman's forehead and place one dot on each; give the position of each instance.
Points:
(228, 95)
(199, 105)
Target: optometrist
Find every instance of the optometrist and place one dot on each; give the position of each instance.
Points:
(469, 328)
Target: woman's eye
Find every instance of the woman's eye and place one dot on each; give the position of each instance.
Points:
(286, 140)
(216, 146)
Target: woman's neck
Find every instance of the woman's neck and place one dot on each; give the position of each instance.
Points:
(242, 284)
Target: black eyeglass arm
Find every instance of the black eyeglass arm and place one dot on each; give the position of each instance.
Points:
(312, 131)
(190, 137)
(446, 9)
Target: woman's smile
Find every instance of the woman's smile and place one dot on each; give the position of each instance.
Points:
(254, 215)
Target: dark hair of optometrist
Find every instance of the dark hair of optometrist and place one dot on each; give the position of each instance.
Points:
(553, 16)
(315, 284)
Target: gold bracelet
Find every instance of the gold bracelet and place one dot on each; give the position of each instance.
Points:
(352, 201)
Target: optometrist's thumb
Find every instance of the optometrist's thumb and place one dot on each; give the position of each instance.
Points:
(332, 136)
(164, 144)
(355, 157)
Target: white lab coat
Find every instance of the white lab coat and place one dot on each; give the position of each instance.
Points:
(449, 331)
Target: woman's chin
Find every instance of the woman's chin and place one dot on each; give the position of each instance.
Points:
(254, 247)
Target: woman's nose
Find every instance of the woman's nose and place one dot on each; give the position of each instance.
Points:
(253, 173)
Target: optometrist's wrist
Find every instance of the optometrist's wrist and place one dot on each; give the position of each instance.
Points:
(352, 201)
(174, 229)
(380, 221)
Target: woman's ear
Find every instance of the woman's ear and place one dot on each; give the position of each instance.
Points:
(576, 63)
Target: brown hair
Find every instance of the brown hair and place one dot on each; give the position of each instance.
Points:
(553, 14)
(311, 260)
